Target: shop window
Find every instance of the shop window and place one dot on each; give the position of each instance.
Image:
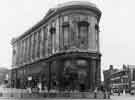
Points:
(83, 34)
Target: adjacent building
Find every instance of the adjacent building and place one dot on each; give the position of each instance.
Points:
(107, 75)
(132, 76)
(3, 75)
(121, 79)
(61, 51)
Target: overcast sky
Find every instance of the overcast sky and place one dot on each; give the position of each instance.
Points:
(117, 36)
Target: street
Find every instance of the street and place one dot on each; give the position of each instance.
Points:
(122, 97)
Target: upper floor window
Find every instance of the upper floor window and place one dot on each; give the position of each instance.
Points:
(83, 34)
(65, 28)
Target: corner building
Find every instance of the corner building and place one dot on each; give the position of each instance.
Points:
(61, 51)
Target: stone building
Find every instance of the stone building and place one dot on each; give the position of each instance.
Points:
(61, 51)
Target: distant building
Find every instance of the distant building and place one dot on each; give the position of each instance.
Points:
(107, 75)
(131, 76)
(3, 73)
(122, 79)
(61, 51)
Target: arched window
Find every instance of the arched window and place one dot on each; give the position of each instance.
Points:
(83, 34)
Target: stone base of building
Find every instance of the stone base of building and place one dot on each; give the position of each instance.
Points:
(61, 95)
(63, 71)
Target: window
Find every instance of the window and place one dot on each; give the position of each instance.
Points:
(65, 28)
(83, 34)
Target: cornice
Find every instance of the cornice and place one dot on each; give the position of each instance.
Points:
(59, 9)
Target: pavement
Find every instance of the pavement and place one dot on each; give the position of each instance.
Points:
(50, 99)
(123, 97)
(115, 97)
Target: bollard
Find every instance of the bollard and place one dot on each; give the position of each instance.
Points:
(1, 94)
(104, 95)
(21, 95)
(95, 95)
(108, 96)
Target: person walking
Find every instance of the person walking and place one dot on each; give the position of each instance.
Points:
(95, 93)
(118, 92)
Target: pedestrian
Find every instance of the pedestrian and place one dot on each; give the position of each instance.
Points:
(112, 92)
(118, 92)
(95, 93)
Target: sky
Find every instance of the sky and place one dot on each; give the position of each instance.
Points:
(117, 34)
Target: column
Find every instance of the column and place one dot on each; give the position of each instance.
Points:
(17, 53)
(49, 85)
(21, 51)
(72, 30)
(29, 49)
(25, 50)
(13, 56)
(57, 34)
(46, 34)
(41, 42)
(49, 42)
(93, 71)
(32, 46)
(38, 44)
(60, 34)
(89, 74)
(25, 55)
(99, 71)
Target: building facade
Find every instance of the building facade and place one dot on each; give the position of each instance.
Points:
(61, 51)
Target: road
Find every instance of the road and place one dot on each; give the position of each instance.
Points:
(122, 97)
